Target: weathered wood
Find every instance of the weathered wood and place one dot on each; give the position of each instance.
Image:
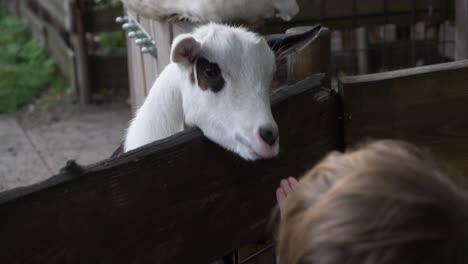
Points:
(132, 80)
(78, 41)
(35, 23)
(426, 105)
(145, 68)
(179, 200)
(461, 29)
(362, 47)
(150, 67)
(60, 11)
(163, 37)
(138, 86)
(62, 54)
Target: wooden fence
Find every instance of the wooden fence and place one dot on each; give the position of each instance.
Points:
(180, 200)
(425, 105)
(184, 199)
(334, 14)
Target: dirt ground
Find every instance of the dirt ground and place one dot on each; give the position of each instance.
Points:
(41, 137)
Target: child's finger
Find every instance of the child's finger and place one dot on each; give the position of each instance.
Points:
(293, 182)
(280, 195)
(281, 198)
(285, 186)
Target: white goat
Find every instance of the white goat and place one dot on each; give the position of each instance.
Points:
(218, 80)
(215, 10)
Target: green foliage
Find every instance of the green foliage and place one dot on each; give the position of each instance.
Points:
(25, 69)
(114, 39)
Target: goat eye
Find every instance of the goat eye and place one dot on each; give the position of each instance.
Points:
(211, 73)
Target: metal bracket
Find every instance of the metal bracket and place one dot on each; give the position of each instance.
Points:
(137, 32)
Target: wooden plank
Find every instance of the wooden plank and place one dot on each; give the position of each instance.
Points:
(145, 69)
(133, 81)
(362, 50)
(131, 78)
(150, 67)
(179, 200)
(81, 65)
(426, 105)
(163, 38)
(461, 29)
(62, 54)
(136, 72)
(79, 45)
(155, 60)
(36, 24)
(60, 11)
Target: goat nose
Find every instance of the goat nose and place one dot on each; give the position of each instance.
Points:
(268, 134)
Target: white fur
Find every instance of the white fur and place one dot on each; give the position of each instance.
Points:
(231, 117)
(215, 10)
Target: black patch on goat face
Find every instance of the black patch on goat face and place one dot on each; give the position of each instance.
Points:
(209, 75)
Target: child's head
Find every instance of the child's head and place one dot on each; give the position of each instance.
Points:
(387, 202)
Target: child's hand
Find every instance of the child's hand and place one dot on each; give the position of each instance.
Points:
(285, 188)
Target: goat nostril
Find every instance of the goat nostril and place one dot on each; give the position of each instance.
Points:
(268, 135)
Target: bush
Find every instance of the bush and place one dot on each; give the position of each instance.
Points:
(112, 40)
(25, 69)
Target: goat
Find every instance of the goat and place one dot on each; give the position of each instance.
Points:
(215, 10)
(218, 80)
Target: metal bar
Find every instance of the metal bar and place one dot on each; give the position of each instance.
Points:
(137, 31)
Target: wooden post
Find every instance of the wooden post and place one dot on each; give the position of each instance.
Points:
(78, 42)
(461, 29)
(362, 54)
(135, 71)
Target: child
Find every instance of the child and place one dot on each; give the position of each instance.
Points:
(387, 202)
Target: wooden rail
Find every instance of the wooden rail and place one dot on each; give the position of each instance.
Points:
(425, 105)
(60, 11)
(179, 200)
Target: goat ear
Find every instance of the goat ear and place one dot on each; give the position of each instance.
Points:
(284, 44)
(184, 49)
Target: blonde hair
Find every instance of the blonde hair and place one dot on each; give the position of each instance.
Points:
(386, 202)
